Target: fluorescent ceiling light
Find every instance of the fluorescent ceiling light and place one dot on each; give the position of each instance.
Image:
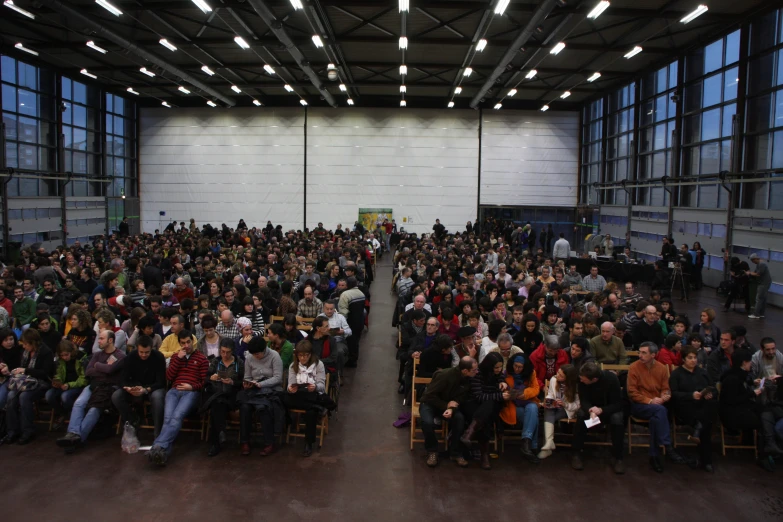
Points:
(297, 4)
(10, 4)
(403, 88)
(633, 52)
(498, 106)
(207, 70)
(695, 14)
(106, 5)
(183, 90)
(92, 45)
(511, 93)
(268, 68)
(451, 104)
(257, 103)
(241, 42)
(303, 103)
(317, 41)
(148, 73)
(165, 43)
(557, 48)
(545, 108)
(403, 103)
(501, 6)
(288, 88)
(236, 89)
(201, 4)
(481, 45)
(565, 95)
(458, 90)
(211, 103)
(130, 90)
(330, 67)
(405, 5)
(594, 77)
(403, 42)
(349, 101)
(403, 70)
(468, 71)
(21, 47)
(531, 74)
(343, 87)
(87, 73)
(165, 104)
(598, 9)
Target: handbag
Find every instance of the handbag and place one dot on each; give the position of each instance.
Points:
(22, 383)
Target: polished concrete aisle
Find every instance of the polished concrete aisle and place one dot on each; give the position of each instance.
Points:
(366, 472)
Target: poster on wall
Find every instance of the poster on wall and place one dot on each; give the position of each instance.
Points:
(369, 217)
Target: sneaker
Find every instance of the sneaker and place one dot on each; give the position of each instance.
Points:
(753, 316)
(432, 459)
(157, 456)
(69, 440)
(461, 462)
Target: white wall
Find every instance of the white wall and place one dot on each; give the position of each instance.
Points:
(420, 163)
(529, 158)
(218, 166)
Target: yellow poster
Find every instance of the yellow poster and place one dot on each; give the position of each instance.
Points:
(370, 217)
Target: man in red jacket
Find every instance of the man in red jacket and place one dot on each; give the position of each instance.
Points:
(547, 359)
(187, 373)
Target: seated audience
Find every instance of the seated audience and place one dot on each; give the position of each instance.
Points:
(262, 384)
(306, 382)
(561, 401)
(521, 409)
(224, 380)
(67, 382)
(547, 359)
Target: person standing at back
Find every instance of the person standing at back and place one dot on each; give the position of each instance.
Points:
(562, 249)
(762, 276)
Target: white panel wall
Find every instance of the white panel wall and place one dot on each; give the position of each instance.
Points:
(220, 165)
(529, 158)
(423, 164)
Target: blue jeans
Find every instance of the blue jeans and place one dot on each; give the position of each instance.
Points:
(779, 429)
(179, 404)
(761, 300)
(19, 413)
(527, 417)
(62, 401)
(4, 393)
(83, 420)
(658, 417)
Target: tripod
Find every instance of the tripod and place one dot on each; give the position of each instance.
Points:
(677, 274)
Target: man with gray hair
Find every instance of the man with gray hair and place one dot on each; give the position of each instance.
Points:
(547, 359)
(762, 276)
(227, 327)
(506, 348)
(527, 284)
(608, 348)
(648, 391)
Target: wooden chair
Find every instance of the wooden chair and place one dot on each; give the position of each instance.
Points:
(632, 353)
(322, 428)
(640, 422)
(444, 429)
(738, 444)
(675, 433)
(616, 367)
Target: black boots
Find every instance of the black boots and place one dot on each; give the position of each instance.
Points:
(696, 435)
(527, 451)
(484, 448)
(468, 434)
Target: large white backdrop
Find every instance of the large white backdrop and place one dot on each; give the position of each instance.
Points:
(220, 165)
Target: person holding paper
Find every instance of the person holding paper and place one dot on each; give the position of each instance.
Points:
(648, 391)
(695, 403)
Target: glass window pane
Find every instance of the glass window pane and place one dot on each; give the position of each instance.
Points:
(710, 125)
(730, 82)
(760, 73)
(661, 81)
(710, 159)
(119, 105)
(780, 68)
(28, 130)
(9, 98)
(109, 124)
(775, 196)
(28, 102)
(759, 113)
(27, 76)
(732, 47)
(28, 187)
(66, 86)
(79, 139)
(728, 112)
(692, 128)
(713, 57)
(660, 108)
(79, 115)
(778, 109)
(693, 97)
(8, 69)
(10, 126)
(79, 163)
(777, 150)
(712, 88)
(28, 156)
(660, 136)
(725, 156)
(757, 152)
(79, 92)
(763, 32)
(673, 75)
(109, 103)
(708, 198)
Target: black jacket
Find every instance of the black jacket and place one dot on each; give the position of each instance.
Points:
(683, 383)
(153, 276)
(149, 373)
(736, 396)
(446, 386)
(643, 332)
(43, 369)
(606, 394)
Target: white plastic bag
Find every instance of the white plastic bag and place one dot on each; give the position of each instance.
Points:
(130, 442)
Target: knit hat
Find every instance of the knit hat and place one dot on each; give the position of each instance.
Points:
(466, 331)
(243, 322)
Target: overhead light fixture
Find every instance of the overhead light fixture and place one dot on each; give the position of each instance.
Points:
(21, 47)
(403, 70)
(106, 5)
(257, 103)
(403, 42)
(557, 48)
(349, 101)
(201, 4)
(92, 45)
(501, 6)
(633, 52)
(241, 42)
(498, 106)
(10, 4)
(545, 108)
(343, 87)
(207, 70)
(405, 5)
(236, 89)
(565, 95)
(594, 77)
(330, 67)
(450, 105)
(89, 74)
(403, 103)
(297, 4)
(303, 103)
(165, 104)
(481, 45)
(165, 43)
(531, 74)
(403, 88)
(317, 41)
(183, 90)
(288, 88)
(211, 103)
(268, 68)
(458, 90)
(468, 72)
(598, 9)
(130, 90)
(148, 73)
(511, 93)
(695, 14)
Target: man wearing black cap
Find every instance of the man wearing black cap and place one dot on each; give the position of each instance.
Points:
(741, 343)
(467, 345)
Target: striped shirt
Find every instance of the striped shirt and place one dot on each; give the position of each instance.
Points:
(191, 370)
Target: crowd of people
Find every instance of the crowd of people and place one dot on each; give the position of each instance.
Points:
(513, 336)
(185, 324)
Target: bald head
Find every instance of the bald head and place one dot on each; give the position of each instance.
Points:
(227, 317)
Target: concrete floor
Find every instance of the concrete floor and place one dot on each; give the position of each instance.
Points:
(365, 470)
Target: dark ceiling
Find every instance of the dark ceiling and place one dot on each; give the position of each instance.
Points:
(361, 38)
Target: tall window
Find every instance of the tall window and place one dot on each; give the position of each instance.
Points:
(764, 126)
(120, 156)
(712, 76)
(591, 152)
(656, 123)
(30, 129)
(619, 142)
(81, 128)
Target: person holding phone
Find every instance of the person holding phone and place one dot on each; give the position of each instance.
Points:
(562, 400)
(262, 385)
(67, 382)
(224, 380)
(306, 380)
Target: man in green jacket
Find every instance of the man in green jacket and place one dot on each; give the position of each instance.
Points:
(278, 342)
(449, 389)
(23, 308)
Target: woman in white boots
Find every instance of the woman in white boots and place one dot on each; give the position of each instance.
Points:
(561, 401)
